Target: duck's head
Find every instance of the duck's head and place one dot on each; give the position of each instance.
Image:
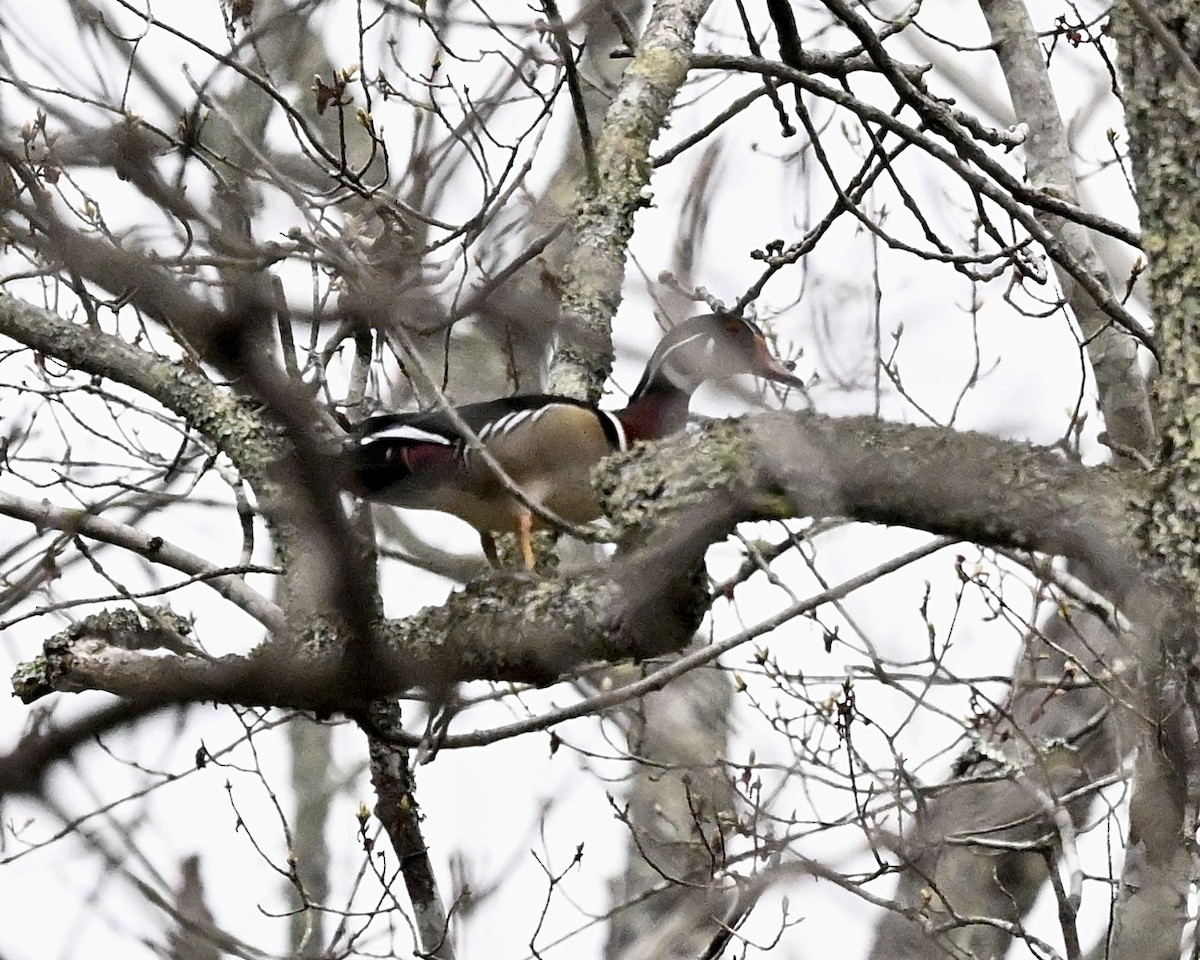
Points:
(709, 348)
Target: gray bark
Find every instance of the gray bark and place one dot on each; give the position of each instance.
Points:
(603, 218)
(681, 494)
(981, 879)
(1113, 354)
(1159, 47)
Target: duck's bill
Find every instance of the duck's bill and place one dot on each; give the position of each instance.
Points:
(770, 367)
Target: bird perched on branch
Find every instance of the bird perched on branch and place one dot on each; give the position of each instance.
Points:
(545, 445)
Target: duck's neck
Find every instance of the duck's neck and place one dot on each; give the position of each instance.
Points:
(657, 407)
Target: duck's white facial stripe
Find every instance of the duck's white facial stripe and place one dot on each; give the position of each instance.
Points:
(677, 377)
(404, 431)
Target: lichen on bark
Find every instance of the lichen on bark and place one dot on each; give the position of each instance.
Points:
(603, 218)
(1163, 115)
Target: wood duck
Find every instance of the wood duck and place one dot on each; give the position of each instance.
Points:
(546, 444)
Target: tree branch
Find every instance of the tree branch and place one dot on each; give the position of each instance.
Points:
(398, 813)
(680, 494)
(231, 425)
(230, 586)
(1124, 397)
(603, 218)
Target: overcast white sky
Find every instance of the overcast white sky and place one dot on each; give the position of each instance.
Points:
(498, 805)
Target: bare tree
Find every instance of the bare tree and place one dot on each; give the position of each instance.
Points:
(915, 648)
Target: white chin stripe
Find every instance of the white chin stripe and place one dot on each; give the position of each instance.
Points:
(403, 431)
(618, 429)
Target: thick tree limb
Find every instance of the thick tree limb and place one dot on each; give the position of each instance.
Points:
(947, 849)
(292, 478)
(1163, 114)
(1124, 397)
(603, 218)
(23, 769)
(687, 492)
(232, 425)
(398, 813)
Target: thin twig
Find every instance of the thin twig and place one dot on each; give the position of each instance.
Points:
(563, 41)
(43, 514)
(677, 668)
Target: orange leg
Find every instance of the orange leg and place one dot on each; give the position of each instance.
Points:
(525, 534)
